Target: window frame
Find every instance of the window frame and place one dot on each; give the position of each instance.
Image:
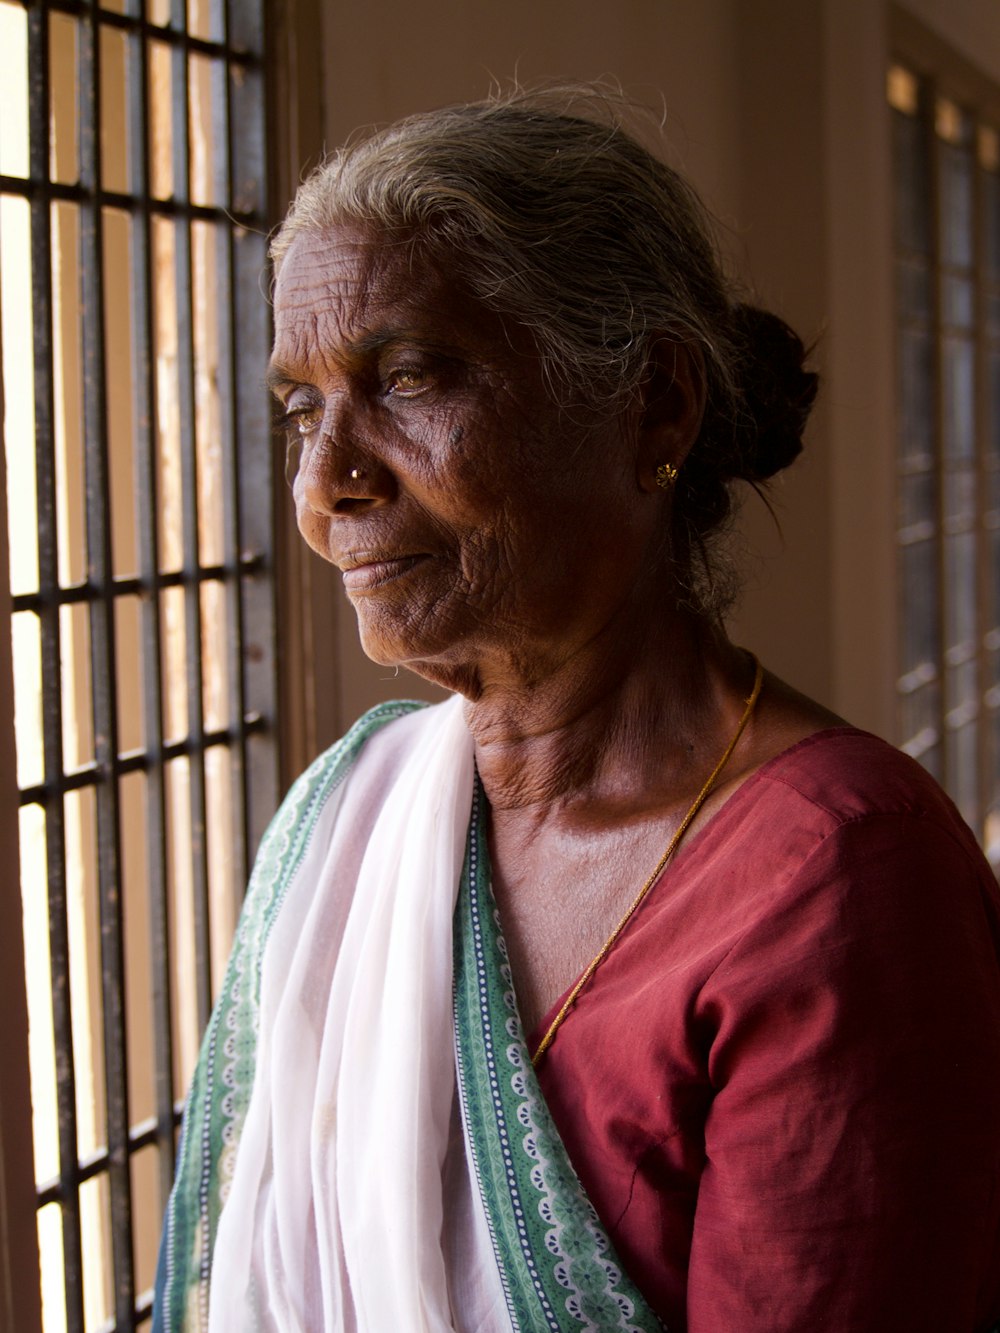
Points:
(20, 1298)
(942, 73)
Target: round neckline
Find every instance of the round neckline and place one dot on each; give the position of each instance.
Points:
(688, 848)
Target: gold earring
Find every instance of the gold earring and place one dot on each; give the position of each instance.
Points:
(666, 475)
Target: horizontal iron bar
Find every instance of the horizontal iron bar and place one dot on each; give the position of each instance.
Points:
(140, 1136)
(140, 761)
(136, 585)
(111, 18)
(67, 192)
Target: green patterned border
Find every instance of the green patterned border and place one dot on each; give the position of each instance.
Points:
(220, 1091)
(556, 1262)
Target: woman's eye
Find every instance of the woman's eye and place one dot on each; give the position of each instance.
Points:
(303, 418)
(407, 381)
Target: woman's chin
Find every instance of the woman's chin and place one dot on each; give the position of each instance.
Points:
(389, 644)
(426, 656)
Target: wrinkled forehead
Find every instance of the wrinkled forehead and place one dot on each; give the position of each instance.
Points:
(343, 272)
(347, 287)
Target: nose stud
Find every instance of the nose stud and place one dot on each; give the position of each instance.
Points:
(356, 474)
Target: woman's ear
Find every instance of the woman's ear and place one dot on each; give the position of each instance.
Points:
(671, 407)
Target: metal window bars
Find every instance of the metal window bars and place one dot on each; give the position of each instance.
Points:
(141, 539)
(946, 159)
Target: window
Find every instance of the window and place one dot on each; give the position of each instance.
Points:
(946, 155)
(139, 504)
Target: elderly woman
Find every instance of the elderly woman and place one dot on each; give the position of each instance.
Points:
(628, 988)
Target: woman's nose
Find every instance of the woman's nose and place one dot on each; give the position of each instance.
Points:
(336, 477)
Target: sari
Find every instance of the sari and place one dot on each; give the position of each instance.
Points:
(367, 1007)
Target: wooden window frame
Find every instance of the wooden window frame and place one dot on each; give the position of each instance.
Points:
(945, 79)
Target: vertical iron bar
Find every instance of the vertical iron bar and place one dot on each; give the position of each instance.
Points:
(256, 498)
(231, 556)
(147, 519)
(102, 641)
(52, 725)
(972, 334)
(253, 482)
(932, 147)
(980, 289)
(218, 26)
(228, 360)
(180, 85)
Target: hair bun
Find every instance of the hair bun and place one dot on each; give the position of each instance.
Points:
(777, 393)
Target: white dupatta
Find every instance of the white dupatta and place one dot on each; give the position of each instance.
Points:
(356, 1058)
(334, 1175)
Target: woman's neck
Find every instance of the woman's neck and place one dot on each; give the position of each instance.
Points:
(628, 719)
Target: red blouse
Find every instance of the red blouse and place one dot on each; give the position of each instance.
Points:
(782, 1088)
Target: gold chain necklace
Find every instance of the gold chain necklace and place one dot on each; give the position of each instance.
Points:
(682, 828)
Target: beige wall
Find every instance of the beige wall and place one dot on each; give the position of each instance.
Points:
(781, 210)
(385, 59)
(775, 108)
(971, 27)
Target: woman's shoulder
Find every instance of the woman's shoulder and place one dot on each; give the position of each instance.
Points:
(390, 728)
(384, 736)
(348, 784)
(848, 773)
(850, 785)
(369, 724)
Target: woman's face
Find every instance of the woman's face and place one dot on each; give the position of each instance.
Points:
(478, 526)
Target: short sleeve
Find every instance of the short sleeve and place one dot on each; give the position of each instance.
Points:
(853, 1142)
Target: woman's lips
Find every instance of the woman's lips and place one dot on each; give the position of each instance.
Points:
(376, 573)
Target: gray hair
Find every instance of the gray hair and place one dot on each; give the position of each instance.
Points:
(556, 217)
